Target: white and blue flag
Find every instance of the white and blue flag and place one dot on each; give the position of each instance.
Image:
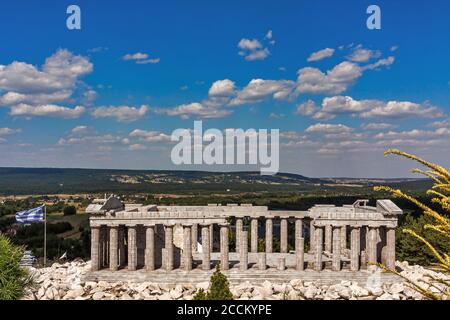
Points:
(31, 215)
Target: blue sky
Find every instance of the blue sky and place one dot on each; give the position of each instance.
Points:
(151, 65)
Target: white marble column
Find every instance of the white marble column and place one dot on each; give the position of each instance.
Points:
(132, 248)
(239, 227)
(113, 248)
(95, 245)
(328, 238)
(390, 245)
(354, 248)
(169, 247)
(373, 240)
(224, 256)
(336, 263)
(150, 248)
(243, 251)
(211, 237)
(187, 247)
(269, 235)
(254, 234)
(194, 232)
(312, 245)
(300, 252)
(206, 251)
(318, 241)
(343, 237)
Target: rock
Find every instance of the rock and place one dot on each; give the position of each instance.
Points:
(52, 294)
(377, 291)
(98, 295)
(310, 292)
(385, 296)
(202, 285)
(296, 283)
(165, 296)
(176, 293)
(396, 288)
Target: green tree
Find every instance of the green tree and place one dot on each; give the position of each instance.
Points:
(412, 249)
(13, 278)
(70, 211)
(219, 290)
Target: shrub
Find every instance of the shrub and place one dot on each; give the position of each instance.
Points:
(219, 290)
(437, 224)
(13, 278)
(70, 211)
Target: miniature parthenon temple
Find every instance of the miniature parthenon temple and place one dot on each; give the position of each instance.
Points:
(150, 238)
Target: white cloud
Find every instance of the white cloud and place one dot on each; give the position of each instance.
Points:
(48, 110)
(333, 106)
(150, 136)
(321, 54)
(194, 109)
(328, 128)
(380, 63)
(80, 130)
(377, 126)
(121, 113)
(53, 82)
(259, 89)
(252, 49)
(336, 80)
(135, 56)
(148, 61)
(403, 109)
(443, 123)
(362, 55)
(140, 58)
(222, 88)
(307, 108)
(247, 44)
(8, 131)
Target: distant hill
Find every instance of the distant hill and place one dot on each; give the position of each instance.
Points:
(53, 180)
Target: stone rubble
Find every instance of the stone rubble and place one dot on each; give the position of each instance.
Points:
(63, 282)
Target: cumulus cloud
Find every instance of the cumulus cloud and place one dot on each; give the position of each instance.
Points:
(222, 88)
(362, 55)
(26, 86)
(337, 105)
(328, 128)
(336, 80)
(377, 126)
(8, 131)
(307, 108)
(195, 110)
(252, 49)
(403, 109)
(140, 58)
(80, 130)
(258, 89)
(150, 136)
(48, 110)
(321, 54)
(121, 113)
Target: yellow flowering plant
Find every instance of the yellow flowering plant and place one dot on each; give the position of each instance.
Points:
(434, 288)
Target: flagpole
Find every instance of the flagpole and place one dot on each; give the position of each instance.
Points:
(45, 235)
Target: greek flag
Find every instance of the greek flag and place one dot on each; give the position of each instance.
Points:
(31, 215)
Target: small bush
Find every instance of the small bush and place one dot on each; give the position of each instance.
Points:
(70, 211)
(13, 278)
(219, 290)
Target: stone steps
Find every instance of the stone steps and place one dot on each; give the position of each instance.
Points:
(235, 277)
